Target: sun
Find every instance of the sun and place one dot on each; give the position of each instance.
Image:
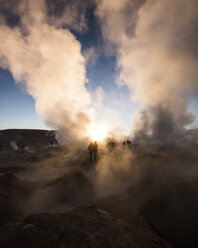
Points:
(98, 133)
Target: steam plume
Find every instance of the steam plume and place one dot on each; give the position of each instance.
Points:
(50, 64)
(156, 43)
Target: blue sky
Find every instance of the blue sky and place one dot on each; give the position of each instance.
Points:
(17, 108)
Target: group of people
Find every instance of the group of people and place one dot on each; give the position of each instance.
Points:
(127, 143)
(93, 148)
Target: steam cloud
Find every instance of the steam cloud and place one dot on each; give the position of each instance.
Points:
(156, 47)
(49, 62)
(156, 43)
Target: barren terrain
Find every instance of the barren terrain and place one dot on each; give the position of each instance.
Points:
(52, 196)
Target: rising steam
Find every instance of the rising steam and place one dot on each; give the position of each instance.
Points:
(156, 43)
(49, 62)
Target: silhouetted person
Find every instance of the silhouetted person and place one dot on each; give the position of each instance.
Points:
(90, 149)
(124, 144)
(95, 149)
(128, 143)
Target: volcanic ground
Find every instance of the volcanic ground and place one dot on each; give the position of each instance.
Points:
(52, 196)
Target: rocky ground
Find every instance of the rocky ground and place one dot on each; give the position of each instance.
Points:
(52, 197)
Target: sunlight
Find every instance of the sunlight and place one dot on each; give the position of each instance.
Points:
(98, 133)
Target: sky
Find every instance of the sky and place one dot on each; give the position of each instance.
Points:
(17, 107)
(117, 57)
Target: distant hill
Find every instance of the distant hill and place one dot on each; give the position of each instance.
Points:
(26, 139)
(13, 139)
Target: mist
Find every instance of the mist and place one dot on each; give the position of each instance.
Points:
(156, 52)
(130, 190)
(156, 57)
(154, 60)
(47, 61)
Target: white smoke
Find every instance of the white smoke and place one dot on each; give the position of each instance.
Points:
(14, 145)
(156, 43)
(50, 64)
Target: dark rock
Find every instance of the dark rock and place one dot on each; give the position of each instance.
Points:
(24, 138)
(10, 209)
(85, 226)
(73, 188)
(165, 209)
(173, 213)
(11, 169)
(12, 197)
(12, 185)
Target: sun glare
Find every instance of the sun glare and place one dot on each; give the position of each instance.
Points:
(98, 133)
